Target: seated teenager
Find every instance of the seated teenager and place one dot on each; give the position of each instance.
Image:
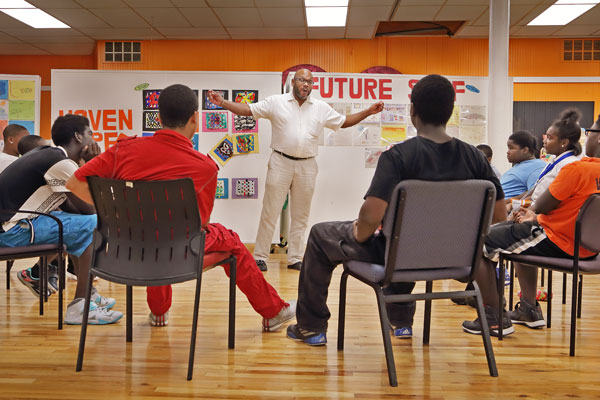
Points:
(169, 154)
(432, 155)
(526, 167)
(30, 142)
(36, 181)
(12, 134)
(488, 153)
(548, 233)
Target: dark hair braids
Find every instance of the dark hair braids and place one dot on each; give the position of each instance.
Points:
(567, 127)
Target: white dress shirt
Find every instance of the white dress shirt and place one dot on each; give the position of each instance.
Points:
(296, 129)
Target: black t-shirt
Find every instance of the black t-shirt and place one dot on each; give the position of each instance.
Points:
(424, 159)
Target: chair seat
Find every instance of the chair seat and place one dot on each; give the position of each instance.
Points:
(375, 272)
(6, 252)
(211, 260)
(591, 266)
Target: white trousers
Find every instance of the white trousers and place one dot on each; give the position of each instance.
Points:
(298, 178)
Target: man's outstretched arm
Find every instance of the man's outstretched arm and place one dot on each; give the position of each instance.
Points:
(236, 108)
(355, 118)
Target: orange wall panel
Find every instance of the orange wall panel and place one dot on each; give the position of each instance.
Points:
(559, 92)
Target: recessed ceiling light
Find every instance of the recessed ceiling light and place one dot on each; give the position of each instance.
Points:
(326, 3)
(15, 4)
(326, 16)
(577, 2)
(34, 18)
(561, 14)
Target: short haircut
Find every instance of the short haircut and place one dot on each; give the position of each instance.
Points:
(525, 139)
(12, 130)
(65, 127)
(176, 105)
(28, 143)
(433, 99)
(486, 150)
(567, 127)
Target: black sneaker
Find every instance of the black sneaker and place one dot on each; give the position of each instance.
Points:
(527, 314)
(491, 315)
(52, 278)
(30, 282)
(261, 265)
(296, 266)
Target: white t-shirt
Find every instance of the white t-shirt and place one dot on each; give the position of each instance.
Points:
(296, 129)
(542, 184)
(6, 160)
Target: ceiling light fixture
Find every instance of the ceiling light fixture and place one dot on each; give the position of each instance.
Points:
(15, 4)
(34, 17)
(562, 12)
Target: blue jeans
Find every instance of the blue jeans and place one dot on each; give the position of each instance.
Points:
(78, 231)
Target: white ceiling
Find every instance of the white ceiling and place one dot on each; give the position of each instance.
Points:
(93, 20)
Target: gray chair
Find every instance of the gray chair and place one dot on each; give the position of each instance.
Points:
(587, 235)
(43, 251)
(150, 234)
(434, 231)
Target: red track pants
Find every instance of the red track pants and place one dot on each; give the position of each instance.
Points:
(261, 295)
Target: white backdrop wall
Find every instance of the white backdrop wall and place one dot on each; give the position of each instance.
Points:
(114, 107)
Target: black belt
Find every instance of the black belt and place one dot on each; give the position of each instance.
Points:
(292, 157)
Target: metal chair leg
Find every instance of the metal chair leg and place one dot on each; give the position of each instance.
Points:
(84, 323)
(41, 286)
(500, 290)
(342, 311)
(579, 296)
(9, 264)
(512, 286)
(549, 301)
(61, 288)
(387, 341)
(485, 333)
(232, 289)
(194, 327)
(573, 316)
(564, 292)
(542, 278)
(427, 315)
(129, 312)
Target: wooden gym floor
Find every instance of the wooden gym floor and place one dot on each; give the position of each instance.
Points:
(38, 361)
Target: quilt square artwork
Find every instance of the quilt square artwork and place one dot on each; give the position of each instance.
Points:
(246, 143)
(214, 121)
(244, 96)
(151, 121)
(151, 99)
(244, 188)
(3, 89)
(206, 103)
(196, 142)
(222, 188)
(242, 123)
(223, 150)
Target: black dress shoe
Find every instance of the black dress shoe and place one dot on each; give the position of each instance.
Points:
(295, 266)
(261, 265)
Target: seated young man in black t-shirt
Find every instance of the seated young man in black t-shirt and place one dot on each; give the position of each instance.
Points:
(432, 155)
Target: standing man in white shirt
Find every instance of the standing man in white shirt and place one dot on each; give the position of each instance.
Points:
(297, 121)
(12, 134)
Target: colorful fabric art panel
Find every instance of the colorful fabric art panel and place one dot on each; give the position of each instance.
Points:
(244, 96)
(214, 121)
(208, 105)
(223, 150)
(244, 188)
(246, 143)
(222, 188)
(151, 99)
(242, 123)
(151, 121)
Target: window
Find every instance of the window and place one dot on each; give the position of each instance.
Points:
(122, 51)
(581, 50)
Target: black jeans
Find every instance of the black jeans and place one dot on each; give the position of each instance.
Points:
(330, 244)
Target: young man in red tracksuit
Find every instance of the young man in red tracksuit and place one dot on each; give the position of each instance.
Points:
(169, 154)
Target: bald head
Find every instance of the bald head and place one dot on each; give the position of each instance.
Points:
(302, 85)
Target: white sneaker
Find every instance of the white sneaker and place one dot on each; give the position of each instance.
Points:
(101, 301)
(97, 316)
(159, 320)
(286, 314)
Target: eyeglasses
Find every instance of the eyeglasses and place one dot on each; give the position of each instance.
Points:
(303, 81)
(588, 131)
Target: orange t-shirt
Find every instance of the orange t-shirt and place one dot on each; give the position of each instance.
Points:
(573, 185)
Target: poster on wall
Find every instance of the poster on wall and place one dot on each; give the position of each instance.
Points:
(20, 102)
(125, 103)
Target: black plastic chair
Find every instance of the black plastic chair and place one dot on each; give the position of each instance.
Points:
(150, 234)
(587, 235)
(9, 254)
(434, 231)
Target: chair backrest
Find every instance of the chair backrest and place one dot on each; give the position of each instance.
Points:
(148, 233)
(588, 224)
(432, 225)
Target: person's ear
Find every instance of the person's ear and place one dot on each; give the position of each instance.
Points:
(78, 137)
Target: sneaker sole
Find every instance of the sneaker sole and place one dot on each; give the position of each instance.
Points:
(493, 332)
(403, 337)
(101, 322)
(530, 324)
(279, 325)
